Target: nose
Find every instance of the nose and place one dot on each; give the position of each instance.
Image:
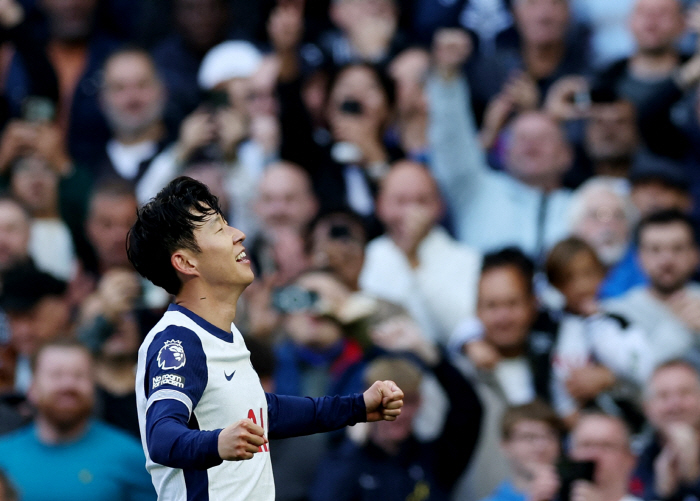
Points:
(237, 235)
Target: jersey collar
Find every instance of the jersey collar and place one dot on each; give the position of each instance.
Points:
(210, 328)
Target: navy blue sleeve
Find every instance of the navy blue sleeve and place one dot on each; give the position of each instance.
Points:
(175, 377)
(172, 443)
(296, 416)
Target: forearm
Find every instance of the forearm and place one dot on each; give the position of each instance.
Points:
(171, 443)
(296, 416)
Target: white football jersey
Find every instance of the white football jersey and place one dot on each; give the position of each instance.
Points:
(186, 359)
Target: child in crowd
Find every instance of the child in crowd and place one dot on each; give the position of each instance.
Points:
(598, 356)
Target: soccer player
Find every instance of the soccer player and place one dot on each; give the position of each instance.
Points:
(201, 407)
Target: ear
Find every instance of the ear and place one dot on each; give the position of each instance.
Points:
(185, 263)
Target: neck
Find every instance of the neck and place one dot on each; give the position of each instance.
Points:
(50, 211)
(218, 307)
(152, 132)
(50, 434)
(510, 351)
(653, 65)
(542, 59)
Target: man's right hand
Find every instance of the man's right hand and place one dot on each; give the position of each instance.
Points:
(241, 440)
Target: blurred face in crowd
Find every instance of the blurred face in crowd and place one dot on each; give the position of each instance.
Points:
(14, 234)
(409, 70)
(538, 154)
(668, 255)
(531, 442)
(109, 220)
(338, 243)
(201, 22)
(604, 225)
(408, 194)
(70, 20)
(46, 320)
(285, 198)
(214, 176)
(35, 184)
(651, 195)
(63, 388)
(347, 14)
(506, 308)
(605, 441)
(580, 284)
(132, 95)
(673, 396)
(657, 24)
(611, 132)
(542, 22)
(312, 326)
(359, 83)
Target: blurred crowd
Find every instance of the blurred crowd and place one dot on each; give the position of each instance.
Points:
(495, 203)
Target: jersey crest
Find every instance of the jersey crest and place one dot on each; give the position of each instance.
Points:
(171, 355)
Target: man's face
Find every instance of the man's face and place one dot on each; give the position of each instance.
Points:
(70, 20)
(347, 14)
(285, 200)
(531, 443)
(48, 319)
(611, 132)
(668, 255)
(604, 226)
(63, 388)
(656, 24)
(604, 441)
(651, 196)
(505, 307)
(109, 220)
(538, 152)
(408, 199)
(14, 234)
(542, 21)
(35, 184)
(222, 260)
(132, 96)
(673, 396)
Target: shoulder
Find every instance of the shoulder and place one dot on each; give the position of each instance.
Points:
(12, 440)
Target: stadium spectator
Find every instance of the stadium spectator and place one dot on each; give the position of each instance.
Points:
(656, 75)
(37, 312)
(132, 98)
(669, 465)
(666, 309)
(79, 458)
(15, 230)
(531, 440)
(602, 214)
(416, 264)
(605, 440)
(594, 350)
(392, 463)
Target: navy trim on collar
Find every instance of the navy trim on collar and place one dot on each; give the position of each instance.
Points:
(210, 328)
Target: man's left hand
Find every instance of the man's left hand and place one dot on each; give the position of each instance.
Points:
(383, 401)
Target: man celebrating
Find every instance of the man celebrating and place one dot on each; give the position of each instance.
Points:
(199, 400)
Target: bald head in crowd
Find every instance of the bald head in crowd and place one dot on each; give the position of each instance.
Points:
(409, 202)
(656, 25)
(539, 154)
(285, 198)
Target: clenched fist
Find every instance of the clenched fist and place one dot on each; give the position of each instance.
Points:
(383, 401)
(241, 440)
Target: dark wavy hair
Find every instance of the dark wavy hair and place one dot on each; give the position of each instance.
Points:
(166, 224)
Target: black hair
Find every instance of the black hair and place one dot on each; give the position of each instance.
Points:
(387, 83)
(665, 217)
(164, 225)
(513, 257)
